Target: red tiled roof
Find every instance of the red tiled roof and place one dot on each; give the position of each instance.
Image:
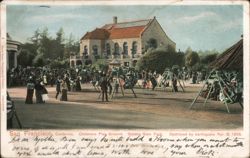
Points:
(96, 34)
(131, 29)
(128, 32)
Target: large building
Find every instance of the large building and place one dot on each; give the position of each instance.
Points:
(123, 42)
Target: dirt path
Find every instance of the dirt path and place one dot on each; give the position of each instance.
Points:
(150, 110)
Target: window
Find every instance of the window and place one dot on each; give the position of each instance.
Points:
(134, 48)
(108, 49)
(125, 48)
(95, 50)
(116, 52)
(152, 43)
(85, 50)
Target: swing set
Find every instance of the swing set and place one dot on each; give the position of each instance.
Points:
(227, 92)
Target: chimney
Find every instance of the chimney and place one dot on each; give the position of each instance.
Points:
(114, 19)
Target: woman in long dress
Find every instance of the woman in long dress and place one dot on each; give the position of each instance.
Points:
(30, 92)
(64, 91)
(78, 83)
(39, 89)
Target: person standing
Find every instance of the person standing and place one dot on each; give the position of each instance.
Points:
(44, 93)
(45, 79)
(110, 79)
(78, 83)
(64, 96)
(58, 86)
(153, 81)
(104, 87)
(30, 91)
(67, 81)
(174, 83)
(39, 89)
(194, 77)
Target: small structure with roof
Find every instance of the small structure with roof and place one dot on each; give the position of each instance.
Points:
(114, 63)
(231, 59)
(13, 49)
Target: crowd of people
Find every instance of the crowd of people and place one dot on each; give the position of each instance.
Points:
(36, 80)
(107, 82)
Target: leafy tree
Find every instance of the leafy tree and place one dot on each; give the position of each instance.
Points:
(189, 50)
(71, 46)
(35, 39)
(43, 49)
(191, 58)
(25, 58)
(39, 61)
(59, 46)
(157, 60)
(59, 63)
(206, 59)
(101, 64)
(45, 44)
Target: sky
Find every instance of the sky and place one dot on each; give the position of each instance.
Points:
(201, 27)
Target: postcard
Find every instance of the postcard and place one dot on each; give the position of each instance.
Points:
(124, 79)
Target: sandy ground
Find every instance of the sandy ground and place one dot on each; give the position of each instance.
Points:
(159, 109)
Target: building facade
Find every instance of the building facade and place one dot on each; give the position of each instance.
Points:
(125, 42)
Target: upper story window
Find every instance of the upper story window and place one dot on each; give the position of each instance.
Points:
(116, 52)
(134, 47)
(95, 49)
(152, 43)
(85, 50)
(108, 49)
(125, 48)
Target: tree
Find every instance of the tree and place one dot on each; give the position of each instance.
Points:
(27, 54)
(189, 50)
(59, 46)
(191, 58)
(102, 65)
(45, 44)
(39, 61)
(206, 59)
(35, 39)
(157, 60)
(59, 63)
(43, 49)
(25, 58)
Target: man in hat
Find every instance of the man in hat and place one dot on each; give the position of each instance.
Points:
(104, 87)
